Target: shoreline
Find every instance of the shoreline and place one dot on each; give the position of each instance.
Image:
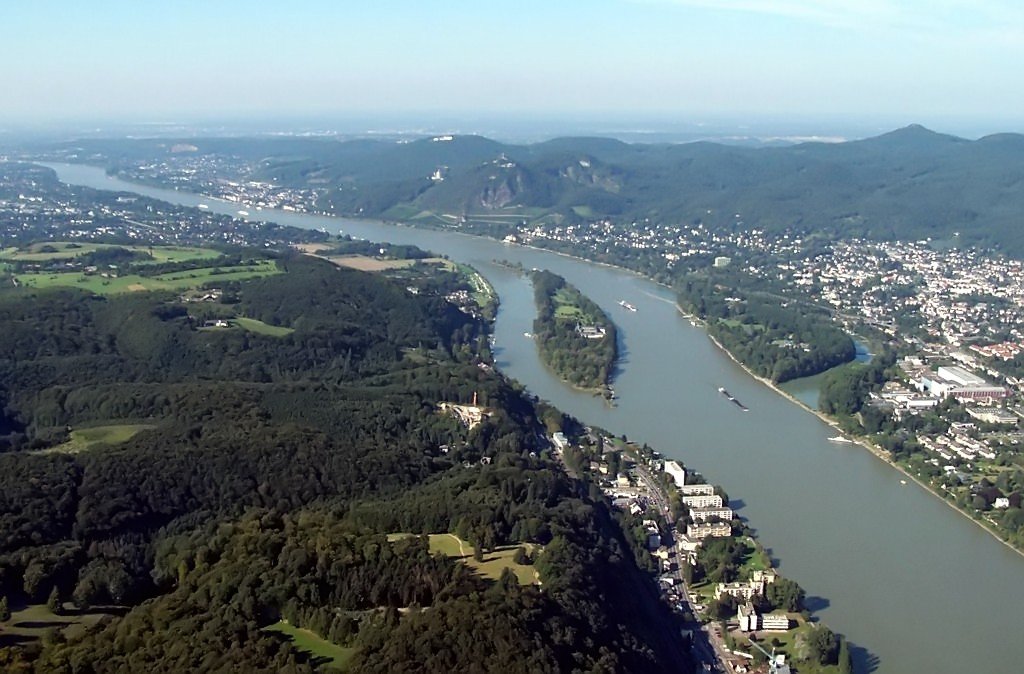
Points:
(876, 451)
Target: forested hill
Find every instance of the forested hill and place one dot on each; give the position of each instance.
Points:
(198, 487)
(910, 184)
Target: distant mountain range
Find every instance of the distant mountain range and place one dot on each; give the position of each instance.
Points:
(911, 183)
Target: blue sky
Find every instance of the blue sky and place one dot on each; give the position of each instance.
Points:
(903, 61)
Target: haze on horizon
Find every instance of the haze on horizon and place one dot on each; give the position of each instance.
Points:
(952, 65)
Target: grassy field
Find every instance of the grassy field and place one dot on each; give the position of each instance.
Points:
(566, 307)
(86, 438)
(748, 328)
(181, 280)
(374, 264)
(336, 656)
(483, 293)
(493, 562)
(28, 624)
(755, 559)
(64, 250)
(567, 311)
(367, 263)
(261, 328)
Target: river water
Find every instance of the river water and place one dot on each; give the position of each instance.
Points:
(913, 585)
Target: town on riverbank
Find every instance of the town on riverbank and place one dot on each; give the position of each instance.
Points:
(737, 613)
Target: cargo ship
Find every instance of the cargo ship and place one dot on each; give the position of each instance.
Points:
(731, 398)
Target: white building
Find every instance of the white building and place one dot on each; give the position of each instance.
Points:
(697, 490)
(703, 501)
(709, 530)
(959, 383)
(960, 376)
(705, 514)
(774, 621)
(747, 617)
(677, 472)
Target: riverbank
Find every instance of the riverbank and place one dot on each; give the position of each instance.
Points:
(879, 452)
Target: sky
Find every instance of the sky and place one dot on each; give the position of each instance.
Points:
(945, 63)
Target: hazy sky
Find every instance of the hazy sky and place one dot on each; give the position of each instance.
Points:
(911, 60)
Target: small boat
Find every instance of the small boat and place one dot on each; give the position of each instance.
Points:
(203, 206)
(243, 213)
(626, 305)
(527, 335)
(903, 481)
(841, 439)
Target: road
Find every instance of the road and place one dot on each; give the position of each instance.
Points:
(707, 644)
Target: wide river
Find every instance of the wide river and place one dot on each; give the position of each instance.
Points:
(915, 587)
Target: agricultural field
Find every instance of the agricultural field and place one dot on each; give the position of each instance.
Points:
(182, 280)
(335, 656)
(83, 439)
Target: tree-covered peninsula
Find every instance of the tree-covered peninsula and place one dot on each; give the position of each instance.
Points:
(575, 337)
(776, 338)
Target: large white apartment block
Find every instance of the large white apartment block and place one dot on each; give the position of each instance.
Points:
(709, 530)
(705, 514)
(677, 472)
(703, 501)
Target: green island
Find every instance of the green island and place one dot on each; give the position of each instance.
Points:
(576, 339)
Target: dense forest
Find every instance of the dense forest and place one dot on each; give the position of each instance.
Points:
(575, 337)
(263, 476)
(777, 339)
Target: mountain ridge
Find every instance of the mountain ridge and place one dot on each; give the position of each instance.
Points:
(909, 183)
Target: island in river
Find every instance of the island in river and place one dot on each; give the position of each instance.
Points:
(575, 337)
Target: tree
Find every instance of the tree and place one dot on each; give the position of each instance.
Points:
(786, 594)
(823, 645)
(5, 611)
(845, 660)
(723, 608)
(53, 601)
